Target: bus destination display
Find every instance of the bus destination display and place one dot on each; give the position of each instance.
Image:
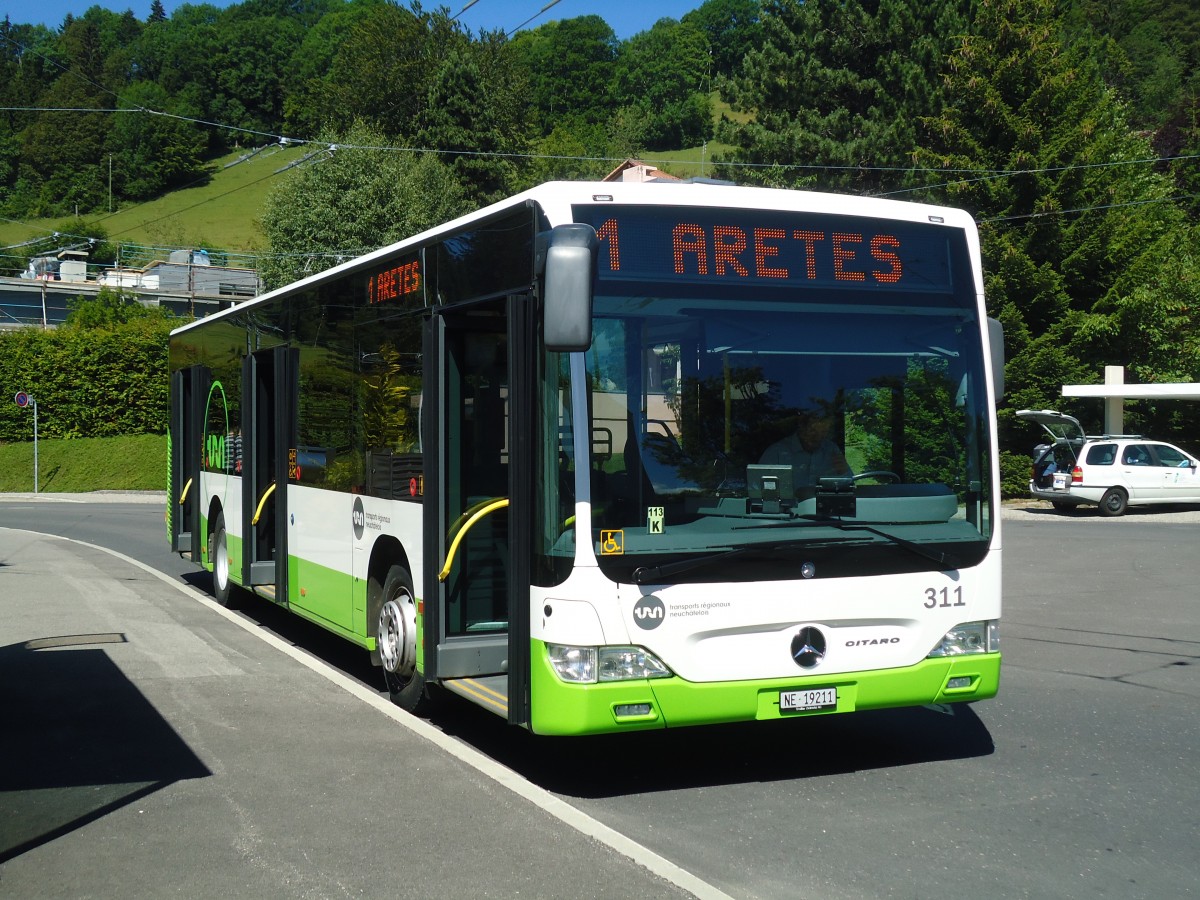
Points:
(400, 282)
(763, 248)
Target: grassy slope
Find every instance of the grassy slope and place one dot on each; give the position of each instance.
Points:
(134, 463)
(222, 213)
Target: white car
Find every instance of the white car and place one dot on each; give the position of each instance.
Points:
(1114, 471)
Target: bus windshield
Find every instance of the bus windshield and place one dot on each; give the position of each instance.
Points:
(748, 432)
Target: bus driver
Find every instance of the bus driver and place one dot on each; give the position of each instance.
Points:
(808, 450)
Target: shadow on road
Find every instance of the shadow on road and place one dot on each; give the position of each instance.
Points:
(687, 758)
(78, 741)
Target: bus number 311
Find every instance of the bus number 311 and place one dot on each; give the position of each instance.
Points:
(944, 597)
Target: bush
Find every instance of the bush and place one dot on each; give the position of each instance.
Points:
(1014, 475)
(88, 382)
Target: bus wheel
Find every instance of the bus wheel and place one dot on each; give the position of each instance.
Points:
(219, 554)
(396, 641)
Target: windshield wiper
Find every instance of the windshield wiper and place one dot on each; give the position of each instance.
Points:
(646, 574)
(807, 520)
(943, 559)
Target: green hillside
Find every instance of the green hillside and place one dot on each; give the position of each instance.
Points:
(221, 213)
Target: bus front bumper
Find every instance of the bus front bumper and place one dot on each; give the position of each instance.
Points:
(577, 709)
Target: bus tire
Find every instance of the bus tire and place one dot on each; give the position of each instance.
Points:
(1114, 502)
(396, 642)
(219, 554)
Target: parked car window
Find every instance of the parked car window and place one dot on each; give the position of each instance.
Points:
(1169, 456)
(1137, 455)
(1102, 455)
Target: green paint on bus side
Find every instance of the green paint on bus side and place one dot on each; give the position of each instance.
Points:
(318, 584)
(575, 709)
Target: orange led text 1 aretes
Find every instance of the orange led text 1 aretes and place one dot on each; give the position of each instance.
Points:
(727, 250)
(391, 284)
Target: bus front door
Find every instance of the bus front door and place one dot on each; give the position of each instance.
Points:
(473, 556)
(269, 390)
(189, 387)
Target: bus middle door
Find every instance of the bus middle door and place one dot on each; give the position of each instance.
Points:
(188, 389)
(269, 389)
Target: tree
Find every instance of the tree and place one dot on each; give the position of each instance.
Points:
(570, 65)
(249, 67)
(835, 90)
(62, 150)
(110, 308)
(150, 153)
(574, 150)
(733, 29)
(1151, 323)
(1069, 204)
(311, 85)
(663, 75)
(380, 71)
(473, 120)
(354, 199)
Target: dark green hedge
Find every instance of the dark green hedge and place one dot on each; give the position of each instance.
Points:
(93, 382)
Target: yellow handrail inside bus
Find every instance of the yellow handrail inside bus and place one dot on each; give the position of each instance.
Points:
(187, 487)
(489, 507)
(261, 503)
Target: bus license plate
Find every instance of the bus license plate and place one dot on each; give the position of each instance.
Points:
(805, 701)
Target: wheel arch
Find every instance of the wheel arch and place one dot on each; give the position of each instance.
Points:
(385, 553)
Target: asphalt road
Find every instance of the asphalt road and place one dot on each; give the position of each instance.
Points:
(1077, 781)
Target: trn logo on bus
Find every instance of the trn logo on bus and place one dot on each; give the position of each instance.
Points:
(358, 518)
(649, 612)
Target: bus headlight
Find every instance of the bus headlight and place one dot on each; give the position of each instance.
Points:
(573, 664)
(624, 663)
(588, 665)
(968, 638)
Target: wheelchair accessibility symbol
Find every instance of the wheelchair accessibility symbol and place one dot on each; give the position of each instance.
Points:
(612, 543)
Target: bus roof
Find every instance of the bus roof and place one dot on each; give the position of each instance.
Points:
(555, 199)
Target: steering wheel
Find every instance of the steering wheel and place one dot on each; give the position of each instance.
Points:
(882, 474)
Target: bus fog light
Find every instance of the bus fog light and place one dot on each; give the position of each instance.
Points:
(625, 663)
(624, 710)
(573, 664)
(958, 683)
(969, 638)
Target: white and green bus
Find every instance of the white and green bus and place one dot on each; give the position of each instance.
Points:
(524, 457)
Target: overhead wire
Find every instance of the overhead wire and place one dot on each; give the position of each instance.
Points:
(536, 15)
(325, 149)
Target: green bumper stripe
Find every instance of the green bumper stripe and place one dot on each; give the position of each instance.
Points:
(560, 708)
